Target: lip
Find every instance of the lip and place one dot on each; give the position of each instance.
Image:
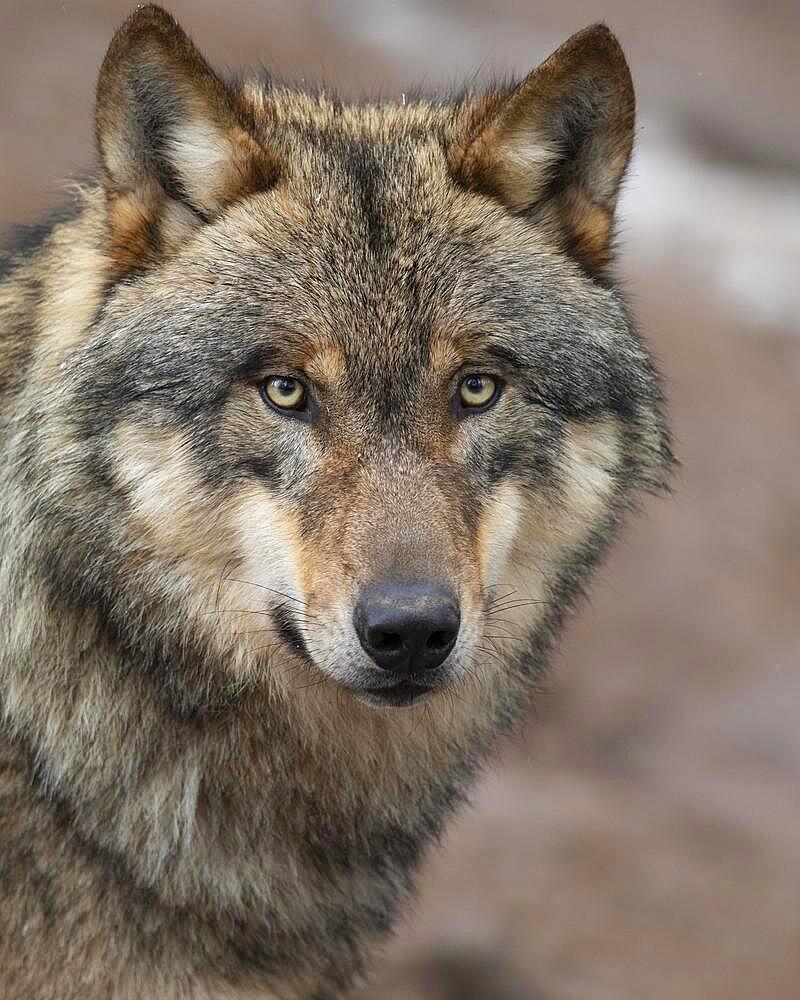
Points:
(400, 695)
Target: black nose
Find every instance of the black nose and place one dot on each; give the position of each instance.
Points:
(407, 627)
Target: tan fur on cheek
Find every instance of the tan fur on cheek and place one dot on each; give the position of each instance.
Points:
(266, 536)
(497, 532)
(173, 516)
(155, 469)
(550, 529)
(268, 540)
(233, 563)
(591, 456)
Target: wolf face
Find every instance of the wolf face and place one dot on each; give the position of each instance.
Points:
(313, 410)
(360, 396)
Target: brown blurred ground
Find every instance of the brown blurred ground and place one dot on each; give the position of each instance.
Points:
(641, 838)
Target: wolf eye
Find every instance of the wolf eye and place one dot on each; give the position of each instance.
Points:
(284, 392)
(478, 392)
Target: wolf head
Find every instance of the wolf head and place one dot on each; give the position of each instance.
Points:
(358, 404)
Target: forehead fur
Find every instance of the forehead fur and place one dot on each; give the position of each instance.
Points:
(279, 109)
(365, 216)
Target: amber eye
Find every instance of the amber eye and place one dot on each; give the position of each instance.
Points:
(477, 391)
(284, 392)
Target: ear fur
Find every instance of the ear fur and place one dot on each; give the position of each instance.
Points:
(176, 142)
(557, 144)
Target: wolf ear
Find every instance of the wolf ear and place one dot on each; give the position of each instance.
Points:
(557, 144)
(177, 144)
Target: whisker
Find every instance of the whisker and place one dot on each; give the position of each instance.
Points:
(508, 638)
(302, 616)
(492, 644)
(257, 631)
(500, 622)
(313, 684)
(491, 653)
(511, 606)
(258, 649)
(494, 586)
(236, 611)
(222, 578)
(271, 590)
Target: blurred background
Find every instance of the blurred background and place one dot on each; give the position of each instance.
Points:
(641, 836)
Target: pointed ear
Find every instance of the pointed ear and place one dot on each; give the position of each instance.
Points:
(177, 144)
(558, 143)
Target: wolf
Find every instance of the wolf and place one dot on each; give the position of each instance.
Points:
(315, 418)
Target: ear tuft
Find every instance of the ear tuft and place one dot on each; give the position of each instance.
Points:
(557, 144)
(172, 135)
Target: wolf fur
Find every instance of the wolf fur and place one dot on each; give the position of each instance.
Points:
(196, 799)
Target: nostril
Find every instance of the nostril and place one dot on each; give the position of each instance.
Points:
(386, 642)
(440, 640)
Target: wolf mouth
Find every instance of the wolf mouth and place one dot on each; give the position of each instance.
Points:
(400, 695)
(287, 630)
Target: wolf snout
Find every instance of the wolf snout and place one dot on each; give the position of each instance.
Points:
(407, 627)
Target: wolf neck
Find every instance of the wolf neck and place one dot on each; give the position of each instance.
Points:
(205, 812)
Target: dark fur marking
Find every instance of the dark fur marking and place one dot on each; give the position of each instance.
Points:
(369, 177)
(289, 632)
(508, 356)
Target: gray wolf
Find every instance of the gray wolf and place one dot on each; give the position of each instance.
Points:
(315, 419)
